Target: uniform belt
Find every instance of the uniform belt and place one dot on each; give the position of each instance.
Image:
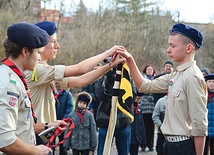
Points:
(176, 138)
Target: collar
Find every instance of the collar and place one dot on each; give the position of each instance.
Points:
(185, 66)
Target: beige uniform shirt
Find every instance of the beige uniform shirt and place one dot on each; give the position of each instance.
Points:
(40, 82)
(16, 119)
(186, 112)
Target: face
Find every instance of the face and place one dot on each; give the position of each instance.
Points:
(204, 73)
(210, 84)
(50, 50)
(32, 58)
(81, 104)
(137, 99)
(149, 71)
(177, 50)
(168, 68)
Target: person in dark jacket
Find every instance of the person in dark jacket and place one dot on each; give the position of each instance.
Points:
(138, 132)
(122, 132)
(83, 139)
(64, 105)
(95, 90)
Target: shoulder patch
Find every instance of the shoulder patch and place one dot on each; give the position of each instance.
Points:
(12, 94)
(12, 101)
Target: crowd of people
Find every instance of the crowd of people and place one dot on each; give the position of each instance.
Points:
(35, 96)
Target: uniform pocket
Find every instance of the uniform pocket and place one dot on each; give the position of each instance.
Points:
(27, 111)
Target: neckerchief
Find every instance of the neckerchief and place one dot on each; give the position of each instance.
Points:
(56, 95)
(81, 113)
(136, 108)
(210, 95)
(10, 64)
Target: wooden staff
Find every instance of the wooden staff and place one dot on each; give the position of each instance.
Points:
(113, 113)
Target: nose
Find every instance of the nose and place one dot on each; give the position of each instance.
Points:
(57, 46)
(168, 50)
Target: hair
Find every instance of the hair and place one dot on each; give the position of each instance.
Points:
(13, 50)
(149, 65)
(185, 39)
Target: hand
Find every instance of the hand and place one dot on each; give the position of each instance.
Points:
(91, 152)
(119, 59)
(114, 49)
(125, 53)
(43, 150)
(60, 124)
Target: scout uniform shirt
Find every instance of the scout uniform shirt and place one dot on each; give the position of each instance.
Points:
(186, 113)
(41, 86)
(16, 118)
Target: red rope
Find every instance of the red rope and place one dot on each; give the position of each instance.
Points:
(57, 132)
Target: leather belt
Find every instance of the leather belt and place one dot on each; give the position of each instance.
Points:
(176, 138)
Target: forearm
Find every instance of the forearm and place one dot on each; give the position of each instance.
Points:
(20, 148)
(85, 65)
(199, 144)
(89, 77)
(135, 72)
(39, 127)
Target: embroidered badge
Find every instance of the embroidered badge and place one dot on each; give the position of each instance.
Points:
(171, 82)
(13, 81)
(12, 101)
(12, 94)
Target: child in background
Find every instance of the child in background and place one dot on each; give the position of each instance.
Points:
(209, 78)
(84, 135)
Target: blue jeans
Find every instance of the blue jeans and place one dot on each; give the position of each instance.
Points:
(122, 136)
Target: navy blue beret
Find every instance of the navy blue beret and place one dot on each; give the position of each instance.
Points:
(209, 77)
(189, 32)
(27, 35)
(49, 27)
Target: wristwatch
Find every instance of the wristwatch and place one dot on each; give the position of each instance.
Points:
(46, 126)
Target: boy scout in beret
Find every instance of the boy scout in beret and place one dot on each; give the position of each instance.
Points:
(45, 78)
(23, 44)
(185, 122)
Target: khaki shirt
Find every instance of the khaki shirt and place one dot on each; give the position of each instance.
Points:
(186, 112)
(16, 118)
(41, 91)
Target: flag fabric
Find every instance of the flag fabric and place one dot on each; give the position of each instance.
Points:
(125, 96)
(122, 100)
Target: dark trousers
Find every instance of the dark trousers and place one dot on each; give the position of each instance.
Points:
(80, 152)
(159, 145)
(209, 141)
(134, 149)
(185, 147)
(149, 127)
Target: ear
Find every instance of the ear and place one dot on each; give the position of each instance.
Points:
(25, 51)
(190, 48)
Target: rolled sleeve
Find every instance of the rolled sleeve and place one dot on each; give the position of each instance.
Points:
(197, 105)
(7, 138)
(59, 72)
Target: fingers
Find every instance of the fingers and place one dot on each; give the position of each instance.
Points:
(43, 150)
